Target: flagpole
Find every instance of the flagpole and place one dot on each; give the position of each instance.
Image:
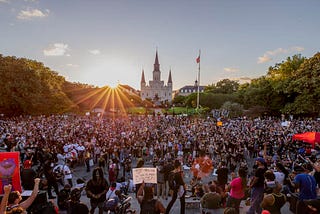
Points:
(198, 95)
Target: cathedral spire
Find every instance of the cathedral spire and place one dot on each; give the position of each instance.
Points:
(156, 65)
(170, 78)
(143, 80)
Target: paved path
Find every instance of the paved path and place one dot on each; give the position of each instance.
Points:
(80, 172)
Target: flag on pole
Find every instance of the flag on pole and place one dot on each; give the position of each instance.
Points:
(198, 59)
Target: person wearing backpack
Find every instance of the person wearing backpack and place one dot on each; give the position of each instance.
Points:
(148, 204)
(178, 186)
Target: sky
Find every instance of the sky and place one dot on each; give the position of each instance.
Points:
(110, 42)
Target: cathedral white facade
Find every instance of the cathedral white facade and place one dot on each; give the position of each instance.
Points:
(157, 91)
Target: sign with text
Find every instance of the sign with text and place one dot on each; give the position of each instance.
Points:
(10, 171)
(148, 175)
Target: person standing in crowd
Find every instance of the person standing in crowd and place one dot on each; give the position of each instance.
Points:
(63, 198)
(15, 200)
(257, 187)
(75, 206)
(147, 202)
(160, 181)
(140, 163)
(51, 179)
(222, 175)
(274, 201)
(96, 189)
(167, 168)
(27, 175)
(237, 189)
(178, 178)
(306, 184)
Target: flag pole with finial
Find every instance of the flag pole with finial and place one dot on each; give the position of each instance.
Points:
(198, 95)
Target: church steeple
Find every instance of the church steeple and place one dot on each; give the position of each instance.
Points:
(143, 80)
(156, 68)
(170, 78)
(156, 63)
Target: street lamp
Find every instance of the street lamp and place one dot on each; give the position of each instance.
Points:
(173, 109)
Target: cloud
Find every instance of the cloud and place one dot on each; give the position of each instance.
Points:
(72, 65)
(231, 69)
(32, 13)
(57, 49)
(264, 59)
(267, 56)
(4, 1)
(95, 52)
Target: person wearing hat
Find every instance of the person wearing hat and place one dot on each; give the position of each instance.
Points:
(27, 175)
(306, 184)
(257, 187)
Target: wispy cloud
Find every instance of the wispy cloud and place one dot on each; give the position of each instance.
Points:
(231, 69)
(95, 51)
(73, 65)
(263, 59)
(267, 56)
(242, 80)
(4, 1)
(57, 49)
(32, 13)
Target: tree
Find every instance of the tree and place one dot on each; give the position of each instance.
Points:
(235, 109)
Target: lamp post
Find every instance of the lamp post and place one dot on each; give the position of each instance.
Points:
(173, 105)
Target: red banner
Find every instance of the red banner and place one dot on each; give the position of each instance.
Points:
(10, 170)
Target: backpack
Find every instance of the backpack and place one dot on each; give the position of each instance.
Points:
(172, 181)
(148, 207)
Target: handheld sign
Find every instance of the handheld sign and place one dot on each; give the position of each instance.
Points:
(148, 175)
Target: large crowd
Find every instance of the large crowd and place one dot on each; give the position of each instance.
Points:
(113, 143)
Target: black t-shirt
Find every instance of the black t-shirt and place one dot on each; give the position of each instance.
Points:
(259, 173)
(78, 208)
(222, 175)
(27, 178)
(97, 188)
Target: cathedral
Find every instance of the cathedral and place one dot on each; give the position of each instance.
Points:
(156, 90)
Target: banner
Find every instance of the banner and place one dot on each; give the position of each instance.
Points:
(148, 175)
(10, 171)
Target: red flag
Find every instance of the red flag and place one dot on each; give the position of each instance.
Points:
(198, 59)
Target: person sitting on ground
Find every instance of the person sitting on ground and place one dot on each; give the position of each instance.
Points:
(211, 199)
(274, 201)
(147, 203)
(14, 199)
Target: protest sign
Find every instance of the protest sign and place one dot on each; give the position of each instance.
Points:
(148, 175)
(10, 171)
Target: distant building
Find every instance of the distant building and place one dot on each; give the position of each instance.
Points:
(156, 90)
(189, 89)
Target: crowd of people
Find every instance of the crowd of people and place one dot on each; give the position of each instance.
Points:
(58, 143)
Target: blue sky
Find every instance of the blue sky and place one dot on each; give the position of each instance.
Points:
(105, 42)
